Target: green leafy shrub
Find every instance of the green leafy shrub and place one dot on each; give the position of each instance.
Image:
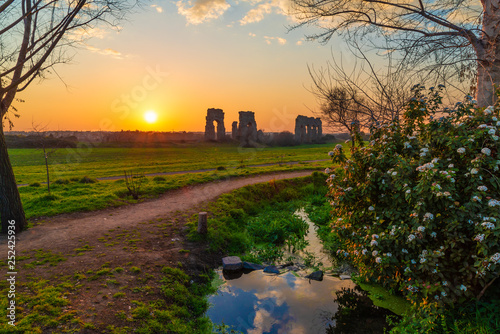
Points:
(418, 209)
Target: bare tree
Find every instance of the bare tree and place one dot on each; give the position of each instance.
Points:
(461, 36)
(34, 36)
(363, 95)
(39, 131)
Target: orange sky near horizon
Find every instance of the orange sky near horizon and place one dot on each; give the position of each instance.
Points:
(158, 62)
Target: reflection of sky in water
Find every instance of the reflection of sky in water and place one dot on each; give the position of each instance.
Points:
(258, 303)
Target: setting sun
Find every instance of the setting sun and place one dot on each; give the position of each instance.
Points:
(150, 116)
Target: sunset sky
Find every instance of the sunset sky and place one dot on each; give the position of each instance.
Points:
(177, 59)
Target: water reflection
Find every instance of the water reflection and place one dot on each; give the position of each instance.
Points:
(258, 303)
(357, 314)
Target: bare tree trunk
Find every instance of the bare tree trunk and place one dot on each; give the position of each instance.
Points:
(11, 208)
(488, 74)
(488, 54)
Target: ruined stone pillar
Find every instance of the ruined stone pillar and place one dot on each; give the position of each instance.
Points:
(234, 130)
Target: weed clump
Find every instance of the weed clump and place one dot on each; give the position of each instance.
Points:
(87, 179)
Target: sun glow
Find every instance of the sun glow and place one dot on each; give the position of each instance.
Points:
(150, 116)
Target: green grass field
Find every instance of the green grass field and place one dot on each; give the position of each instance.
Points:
(67, 167)
(102, 162)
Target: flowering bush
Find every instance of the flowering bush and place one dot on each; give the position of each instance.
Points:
(418, 208)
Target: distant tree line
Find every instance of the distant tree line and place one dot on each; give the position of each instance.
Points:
(34, 141)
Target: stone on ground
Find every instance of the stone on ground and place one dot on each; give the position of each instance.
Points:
(231, 263)
(252, 266)
(271, 270)
(317, 275)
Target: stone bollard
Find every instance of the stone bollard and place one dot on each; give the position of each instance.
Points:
(202, 223)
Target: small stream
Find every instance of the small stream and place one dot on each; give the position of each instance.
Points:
(254, 302)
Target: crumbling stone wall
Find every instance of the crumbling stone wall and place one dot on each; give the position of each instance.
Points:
(308, 129)
(216, 115)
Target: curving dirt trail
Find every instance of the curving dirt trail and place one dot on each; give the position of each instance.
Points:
(71, 227)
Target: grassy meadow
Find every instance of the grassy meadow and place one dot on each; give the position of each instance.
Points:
(94, 162)
(73, 172)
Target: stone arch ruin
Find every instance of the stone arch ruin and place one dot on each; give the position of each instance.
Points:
(216, 115)
(247, 129)
(308, 129)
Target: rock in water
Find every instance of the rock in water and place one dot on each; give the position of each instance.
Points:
(252, 266)
(231, 263)
(317, 275)
(271, 270)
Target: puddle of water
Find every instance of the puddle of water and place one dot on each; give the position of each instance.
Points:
(258, 303)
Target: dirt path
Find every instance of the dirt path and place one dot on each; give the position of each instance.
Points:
(69, 228)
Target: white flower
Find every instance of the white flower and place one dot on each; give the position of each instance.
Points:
(423, 154)
(492, 132)
(498, 123)
(407, 144)
(451, 165)
(332, 176)
(489, 110)
(374, 236)
(389, 254)
(494, 118)
(479, 237)
(463, 287)
(476, 199)
(394, 173)
(493, 202)
(482, 126)
(411, 237)
(461, 150)
(421, 229)
(331, 153)
(404, 251)
(364, 251)
(408, 191)
(433, 234)
(327, 171)
(425, 149)
(495, 138)
(482, 188)
(495, 258)
(373, 243)
(338, 146)
(428, 216)
(488, 225)
(474, 171)
(374, 253)
(486, 151)
(378, 260)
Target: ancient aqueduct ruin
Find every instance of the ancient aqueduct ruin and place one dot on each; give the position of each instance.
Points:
(307, 129)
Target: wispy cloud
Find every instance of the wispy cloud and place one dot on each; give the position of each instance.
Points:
(105, 52)
(280, 40)
(258, 13)
(199, 11)
(158, 8)
(251, 34)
